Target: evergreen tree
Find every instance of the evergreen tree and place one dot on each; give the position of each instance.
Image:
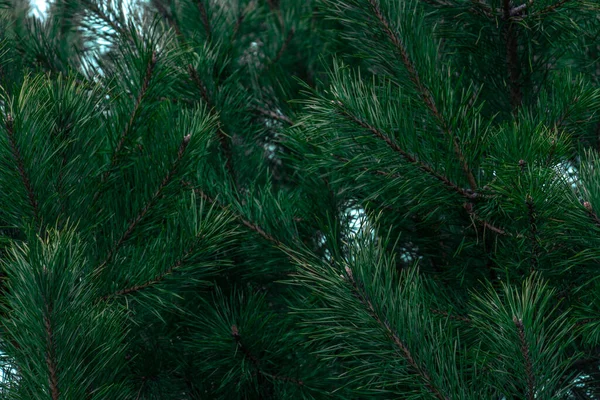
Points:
(288, 199)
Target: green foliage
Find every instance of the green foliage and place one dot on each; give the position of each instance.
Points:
(281, 199)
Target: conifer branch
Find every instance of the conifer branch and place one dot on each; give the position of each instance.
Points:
(591, 212)
(14, 148)
(479, 7)
(469, 208)
(223, 137)
(204, 19)
(404, 351)
(422, 89)
(256, 362)
(408, 157)
(167, 16)
(587, 321)
(250, 225)
(132, 117)
(525, 352)
(157, 279)
(105, 18)
(284, 46)
(459, 318)
(50, 355)
(274, 115)
(512, 57)
(134, 223)
(533, 232)
(554, 7)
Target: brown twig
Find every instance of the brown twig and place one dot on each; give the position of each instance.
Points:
(134, 223)
(423, 90)
(469, 208)
(167, 15)
(157, 279)
(255, 361)
(250, 225)
(591, 212)
(204, 19)
(533, 231)
(407, 156)
(50, 355)
(512, 57)
(93, 7)
(14, 148)
(224, 139)
(459, 318)
(284, 46)
(132, 117)
(274, 115)
(553, 7)
(404, 351)
(525, 352)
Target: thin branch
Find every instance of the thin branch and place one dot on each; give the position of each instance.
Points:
(408, 157)
(93, 7)
(554, 7)
(469, 208)
(159, 278)
(459, 318)
(479, 7)
(204, 19)
(167, 15)
(200, 85)
(587, 321)
(533, 232)
(404, 351)
(255, 361)
(525, 352)
(423, 90)
(276, 116)
(50, 355)
(250, 225)
(284, 46)
(592, 214)
(9, 125)
(132, 117)
(512, 57)
(223, 137)
(133, 224)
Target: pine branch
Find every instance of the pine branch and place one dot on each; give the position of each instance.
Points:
(168, 17)
(592, 214)
(273, 115)
(204, 19)
(423, 90)
(256, 362)
(133, 224)
(284, 46)
(404, 351)
(223, 137)
(9, 125)
(479, 7)
(469, 207)
(533, 232)
(50, 355)
(159, 278)
(554, 7)
(250, 225)
(132, 117)
(459, 318)
(92, 6)
(525, 352)
(405, 155)
(512, 57)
